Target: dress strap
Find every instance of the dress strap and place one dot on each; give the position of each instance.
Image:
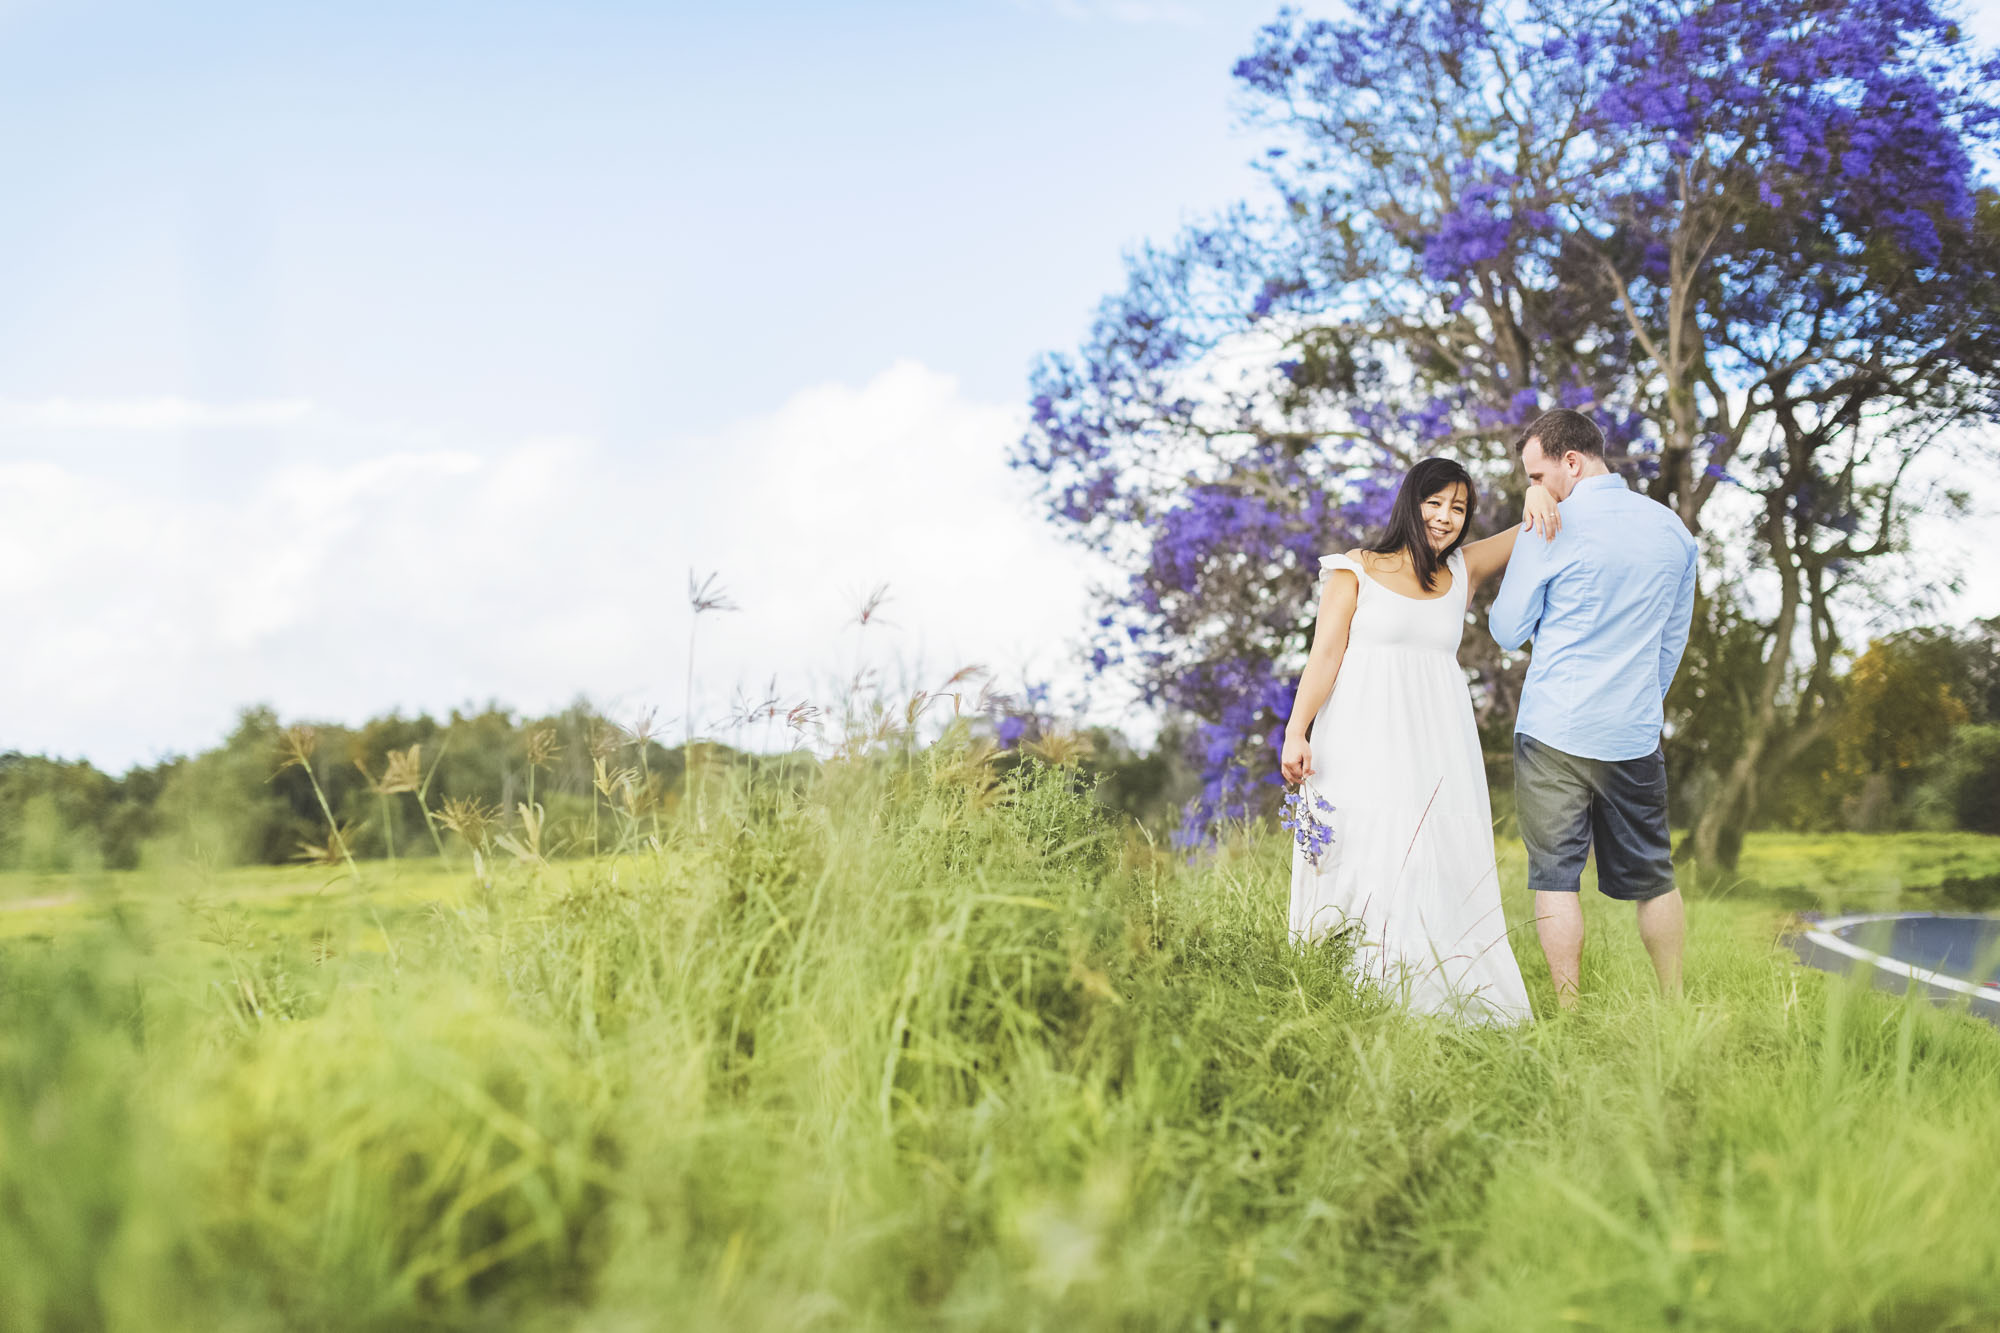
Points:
(1328, 564)
(1460, 580)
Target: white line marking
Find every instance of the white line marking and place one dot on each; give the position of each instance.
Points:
(1823, 935)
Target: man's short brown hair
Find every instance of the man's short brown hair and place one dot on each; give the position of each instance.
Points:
(1562, 431)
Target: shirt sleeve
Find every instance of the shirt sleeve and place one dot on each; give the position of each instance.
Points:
(1675, 641)
(1523, 597)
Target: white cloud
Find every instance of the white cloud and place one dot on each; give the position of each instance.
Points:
(424, 578)
(150, 414)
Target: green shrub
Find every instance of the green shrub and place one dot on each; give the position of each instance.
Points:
(1961, 785)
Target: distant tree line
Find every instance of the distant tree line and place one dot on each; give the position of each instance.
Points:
(1912, 742)
(1911, 739)
(243, 802)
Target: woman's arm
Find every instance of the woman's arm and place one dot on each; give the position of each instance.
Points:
(1329, 645)
(1489, 555)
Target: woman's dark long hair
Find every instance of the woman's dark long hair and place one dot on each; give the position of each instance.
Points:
(1406, 530)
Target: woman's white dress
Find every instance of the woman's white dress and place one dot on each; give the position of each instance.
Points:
(1396, 753)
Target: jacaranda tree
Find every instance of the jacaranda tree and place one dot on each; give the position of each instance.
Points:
(1751, 237)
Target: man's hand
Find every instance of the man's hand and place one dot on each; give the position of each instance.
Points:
(1297, 763)
(1539, 512)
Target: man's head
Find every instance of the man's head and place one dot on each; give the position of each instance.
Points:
(1560, 448)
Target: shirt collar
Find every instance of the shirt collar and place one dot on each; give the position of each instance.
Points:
(1604, 482)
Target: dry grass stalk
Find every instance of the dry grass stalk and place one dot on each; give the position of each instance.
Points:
(642, 730)
(472, 819)
(542, 747)
(703, 597)
(296, 746)
(423, 794)
(743, 712)
(402, 771)
(969, 767)
(333, 852)
(964, 675)
(605, 741)
(870, 610)
(542, 750)
(528, 847)
(609, 781)
(1059, 749)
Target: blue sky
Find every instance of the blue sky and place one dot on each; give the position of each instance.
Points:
(636, 216)
(364, 355)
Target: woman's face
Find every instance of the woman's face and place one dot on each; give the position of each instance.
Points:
(1444, 515)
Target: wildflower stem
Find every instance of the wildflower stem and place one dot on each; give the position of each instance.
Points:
(646, 782)
(423, 804)
(689, 777)
(332, 825)
(388, 828)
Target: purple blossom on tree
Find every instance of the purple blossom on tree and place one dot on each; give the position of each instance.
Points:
(1749, 236)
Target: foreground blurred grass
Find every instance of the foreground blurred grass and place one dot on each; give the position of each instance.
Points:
(897, 1046)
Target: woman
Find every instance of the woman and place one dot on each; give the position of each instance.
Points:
(1395, 753)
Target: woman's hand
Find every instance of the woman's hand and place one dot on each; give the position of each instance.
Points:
(1297, 763)
(1539, 513)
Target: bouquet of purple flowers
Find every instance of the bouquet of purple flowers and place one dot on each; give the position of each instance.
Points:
(1302, 817)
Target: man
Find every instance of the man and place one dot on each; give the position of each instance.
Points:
(1608, 604)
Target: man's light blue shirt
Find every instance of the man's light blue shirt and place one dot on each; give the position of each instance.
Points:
(1608, 604)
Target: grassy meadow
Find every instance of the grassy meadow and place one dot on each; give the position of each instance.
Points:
(911, 1043)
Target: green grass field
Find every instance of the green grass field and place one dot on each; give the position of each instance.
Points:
(903, 1048)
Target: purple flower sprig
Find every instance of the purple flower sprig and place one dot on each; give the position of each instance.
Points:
(1311, 833)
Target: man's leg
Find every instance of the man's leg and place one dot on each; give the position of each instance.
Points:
(1559, 923)
(1552, 802)
(1663, 926)
(1635, 857)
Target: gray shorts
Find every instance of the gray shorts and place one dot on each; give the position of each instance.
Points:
(1567, 805)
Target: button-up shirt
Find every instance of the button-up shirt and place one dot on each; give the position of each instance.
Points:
(1608, 604)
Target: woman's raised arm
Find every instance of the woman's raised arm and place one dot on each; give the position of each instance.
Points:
(1489, 555)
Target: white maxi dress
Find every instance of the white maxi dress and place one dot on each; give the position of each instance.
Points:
(1395, 751)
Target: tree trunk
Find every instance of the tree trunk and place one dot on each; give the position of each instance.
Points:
(1718, 831)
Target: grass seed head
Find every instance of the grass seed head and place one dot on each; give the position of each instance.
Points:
(643, 728)
(991, 700)
(296, 746)
(743, 712)
(605, 742)
(542, 747)
(403, 770)
(1059, 749)
(706, 596)
(870, 610)
(527, 847)
(609, 780)
(974, 671)
(333, 851)
(470, 818)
